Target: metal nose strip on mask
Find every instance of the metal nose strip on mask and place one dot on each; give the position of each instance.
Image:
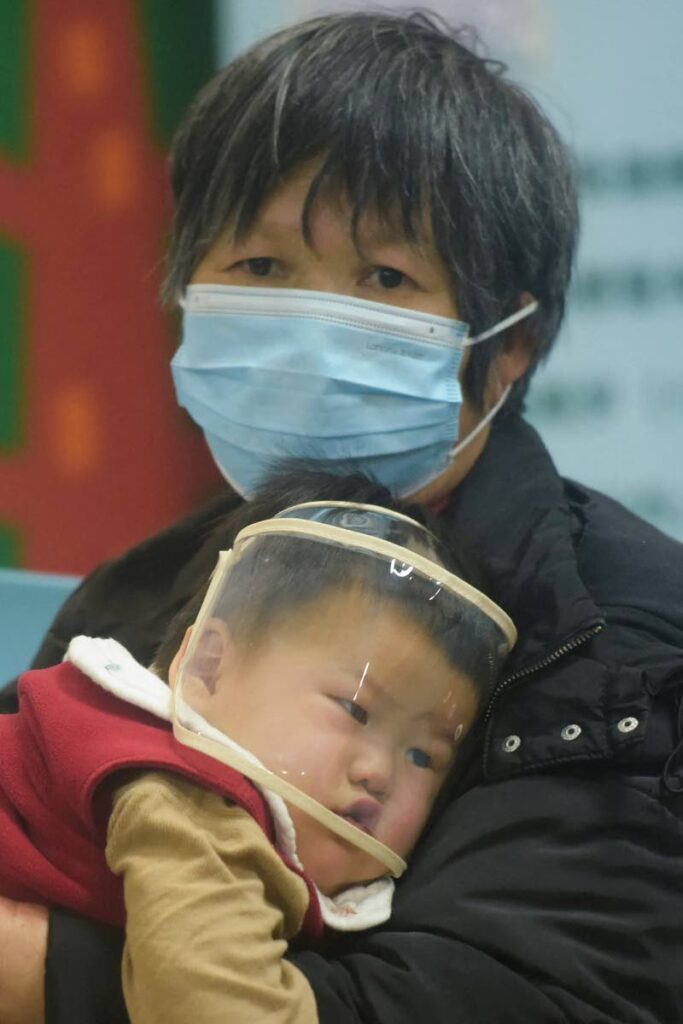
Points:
(346, 310)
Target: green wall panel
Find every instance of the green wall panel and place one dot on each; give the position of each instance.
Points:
(11, 547)
(179, 47)
(13, 306)
(15, 87)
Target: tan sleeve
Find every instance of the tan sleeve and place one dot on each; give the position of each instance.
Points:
(210, 907)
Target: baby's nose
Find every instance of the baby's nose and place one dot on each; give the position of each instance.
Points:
(373, 767)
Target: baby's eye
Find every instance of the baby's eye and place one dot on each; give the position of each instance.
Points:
(354, 709)
(420, 758)
(387, 277)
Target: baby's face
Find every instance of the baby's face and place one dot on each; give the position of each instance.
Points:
(359, 708)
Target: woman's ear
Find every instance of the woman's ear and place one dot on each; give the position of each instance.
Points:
(517, 353)
(211, 652)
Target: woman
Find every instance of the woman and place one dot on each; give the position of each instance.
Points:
(378, 160)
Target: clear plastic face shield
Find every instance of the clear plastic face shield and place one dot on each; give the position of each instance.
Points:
(337, 663)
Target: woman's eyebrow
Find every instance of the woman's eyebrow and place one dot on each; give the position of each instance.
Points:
(265, 231)
(388, 235)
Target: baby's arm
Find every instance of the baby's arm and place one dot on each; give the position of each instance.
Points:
(210, 907)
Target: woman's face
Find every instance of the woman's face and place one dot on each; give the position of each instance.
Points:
(384, 267)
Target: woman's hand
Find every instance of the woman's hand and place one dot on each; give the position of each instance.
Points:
(23, 948)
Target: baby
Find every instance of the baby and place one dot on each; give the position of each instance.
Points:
(318, 697)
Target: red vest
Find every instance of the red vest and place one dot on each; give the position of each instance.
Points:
(59, 759)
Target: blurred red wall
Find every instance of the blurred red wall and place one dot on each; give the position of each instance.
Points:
(94, 453)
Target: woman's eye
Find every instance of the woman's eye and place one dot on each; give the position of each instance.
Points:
(420, 758)
(259, 266)
(354, 709)
(388, 277)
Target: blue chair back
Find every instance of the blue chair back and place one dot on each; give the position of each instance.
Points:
(29, 602)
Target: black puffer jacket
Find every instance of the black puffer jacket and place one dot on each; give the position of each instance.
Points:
(549, 888)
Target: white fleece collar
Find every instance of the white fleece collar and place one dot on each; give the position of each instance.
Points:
(108, 664)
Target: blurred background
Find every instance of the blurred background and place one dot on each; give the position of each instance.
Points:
(94, 454)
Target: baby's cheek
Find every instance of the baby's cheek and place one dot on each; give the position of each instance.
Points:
(320, 774)
(408, 818)
(301, 759)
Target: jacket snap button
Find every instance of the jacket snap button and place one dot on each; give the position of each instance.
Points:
(571, 732)
(511, 743)
(628, 724)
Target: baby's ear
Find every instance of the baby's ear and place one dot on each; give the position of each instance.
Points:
(209, 655)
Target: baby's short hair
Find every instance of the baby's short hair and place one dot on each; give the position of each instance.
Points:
(407, 120)
(295, 575)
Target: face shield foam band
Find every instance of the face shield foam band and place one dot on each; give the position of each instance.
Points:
(335, 667)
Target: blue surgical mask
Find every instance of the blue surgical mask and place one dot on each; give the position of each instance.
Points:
(271, 374)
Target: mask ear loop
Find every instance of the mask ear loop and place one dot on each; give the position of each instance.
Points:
(520, 314)
(514, 318)
(481, 424)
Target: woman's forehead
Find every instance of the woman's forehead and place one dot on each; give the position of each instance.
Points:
(301, 200)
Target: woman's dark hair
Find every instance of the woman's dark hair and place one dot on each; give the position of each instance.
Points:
(294, 574)
(405, 118)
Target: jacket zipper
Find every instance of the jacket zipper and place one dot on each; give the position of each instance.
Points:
(565, 648)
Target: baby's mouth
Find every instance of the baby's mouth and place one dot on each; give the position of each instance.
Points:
(363, 813)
